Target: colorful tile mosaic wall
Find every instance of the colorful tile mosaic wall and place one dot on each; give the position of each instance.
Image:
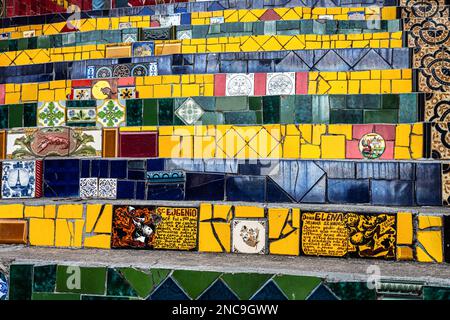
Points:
(230, 228)
(58, 282)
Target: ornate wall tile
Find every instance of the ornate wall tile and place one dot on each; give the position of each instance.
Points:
(139, 70)
(280, 83)
(249, 236)
(110, 113)
(107, 188)
(81, 115)
(440, 140)
(446, 184)
(143, 49)
(104, 89)
(19, 179)
(189, 112)
(104, 72)
(121, 71)
(82, 94)
(239, 84)
(127, 93)
(51, 114)
(420, 9)
(437, 107)
(88, 188)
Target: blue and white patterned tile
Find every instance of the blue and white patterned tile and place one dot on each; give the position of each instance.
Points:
(88, 188)
(107, 188)
(18, 179)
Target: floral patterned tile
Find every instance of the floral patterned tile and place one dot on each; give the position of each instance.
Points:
(110, 113)
(107, 188)
(51, 114)
(88, 188)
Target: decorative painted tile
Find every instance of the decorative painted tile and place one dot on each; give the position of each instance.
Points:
(51, 114)
(29, 34)
(216, 20)
(170, 20)
(239, 84)
(121, 71)
(140, 70)
(280, 83)
(184, 34)
(356, 15)
(143, 49)
(88, 188)
(165, 176)
(5, 35)
(104, 89)
(125, 25)
(110, 113)
(127, 93)
(107, 188)
(372, 146)
(81, 115)
(440, 148)
(82, 94)
(19, 179)
(90, 72)
(153, 69)
(249, 236)
(446, 184)
(104, 72)
(3, 287)
(189, 112)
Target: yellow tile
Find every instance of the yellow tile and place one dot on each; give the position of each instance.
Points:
(205, 211)
(402, 153)
(391, 74)
(404, 228)
(287, 246)
(317, 131)
(277, 218)
(70, 211)
(341, 129)
(104, 222)
(308, 151)
(370, 86)
(417, 128)
(291, 147)
(405, 253)
(102, 241)
(169, 146)
(78, 235)
(417, 147)
(333, 147)
(426, 221)
(296, 218)
(34, 212)
(64, 232)
(11, 211)
(92, 213)
(29, 92)
(207, 242)
(42, 232)
(222, 211)
(432, 243)
(401, 86)
(248, 212)
(50, 211)
(402, 135)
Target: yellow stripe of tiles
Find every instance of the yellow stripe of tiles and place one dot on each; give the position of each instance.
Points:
(216, 45)
(304, 141)
(174, 86)
(204, 18)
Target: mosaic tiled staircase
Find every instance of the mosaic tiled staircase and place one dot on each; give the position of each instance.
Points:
(302, 128)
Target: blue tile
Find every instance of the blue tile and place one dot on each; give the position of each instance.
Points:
(85, 169)
(322, 293)
(168, 290)
(118, 169)
(400, 193)
(428, 184)
(61, 178)
(338, 169)
(99, 168)
(185, 19)
(155, 164)
(269, 292)
(136, 175)
(317, 193)
(218, 291)
(165, 192)
(348, 191)
(407, 171)
(125, 189)
(377, 170)
(205, 186)
(275, 194)
(245, 188)
(140, 190)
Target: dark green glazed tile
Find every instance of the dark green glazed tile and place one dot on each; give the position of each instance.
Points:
(206, 103)
(165, 112)
(30, 115)
(20, 282)
(89, 297)
(366, 101)
(436, 293)
(255, 103)
(43, 42)
(245, 117)
(16, 116)
(271, 109)
(150, 113)
(55, 296)
(213, 118)
(4, 117)
(44, 278)
(302, 110)
(297, 287)
(382, 116)
(320, 109)
(390, 101)
(408, 109)
(231, 103)
(134, 112)
(22, 44)
(346, 116)
(338, 101)
(91, 280)
(118, 286)
(144, 282)
(244, 285)
(352, 290)
(194, 283)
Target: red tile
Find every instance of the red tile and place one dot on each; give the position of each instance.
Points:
(387, 131)
(301, 83)
(125, 81)
(270, 15)
(81, 83)
(219, 84)
(352, 150)
(260, 84)
(359, 130)
(2, 94)
(138, 144)
(38, 177)
(388, 153)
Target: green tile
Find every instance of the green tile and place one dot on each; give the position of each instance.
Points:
(134, 112)
(213, 118)
(118, 286)
(81, 279)
(352, 290)
(408, 108)
(194, 283)
(244, 117)
(55, 296)
(4, 110)
(16, 116)
(271, 109)
(364, 101)
(255, 103)
(346, 116)
(338, 101)
(382, 116)
(320, 109)
(302, 110)
(44, 278)
(165, 112)
(231, 103)
(144, 282)
(89, 297)
(30, 115)
(20, 281)
(297, 287)
(150, 112)
(436, 293)
(244, 285)
(390, 101)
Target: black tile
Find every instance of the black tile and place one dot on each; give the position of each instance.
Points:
(205, 186)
